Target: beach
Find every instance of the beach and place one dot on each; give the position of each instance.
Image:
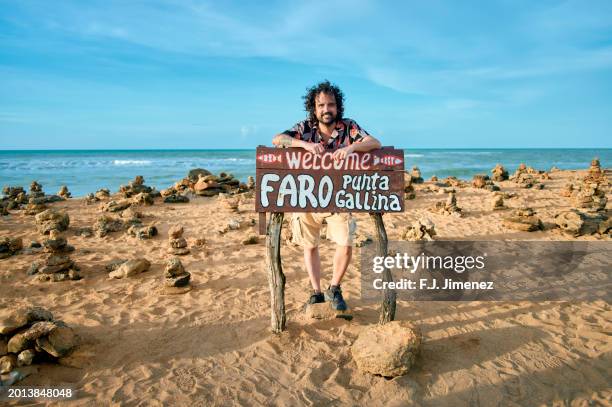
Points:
(212, 345)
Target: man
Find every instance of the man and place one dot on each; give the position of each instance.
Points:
(326, 129)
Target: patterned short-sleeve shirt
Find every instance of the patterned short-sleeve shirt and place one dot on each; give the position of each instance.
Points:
(347, 132)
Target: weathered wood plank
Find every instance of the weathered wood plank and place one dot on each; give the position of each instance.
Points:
(388, 306)
(276, 278)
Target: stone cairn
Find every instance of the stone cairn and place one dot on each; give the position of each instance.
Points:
(203, 183)
(178, 244)
(416, 175)
(10, 246)
(497, 202)
(64, 193)
(230, 202)
(449, 207)
(99, 195)
(482, 181)
(408, 187)
(175, 274)
(524, 220)
(14, 197)
(57, 265)
(51, 219)
(421, 229)
(499, 173)
(29, 335)
(589, 214)
(106, 224)
(528, 177)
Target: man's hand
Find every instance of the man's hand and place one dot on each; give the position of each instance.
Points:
(341, 153)
(315, 148)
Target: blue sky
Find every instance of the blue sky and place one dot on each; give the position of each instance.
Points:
(222, 74)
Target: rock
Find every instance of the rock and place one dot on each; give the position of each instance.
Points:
(362, 240)
(142, 232)
(590, 197)
(142, 198)
(3, 347)
(422, 229)
(91, 199)
(567, 190)
(134, 187)
(64, 193)
(12, 192)
(25, 339)
(22, 317)
(51, 219)
(102, 193)
(480, 180)
(113, 265)
(595, 174)
(59, 342)
(116, 206)
(252, 239)
(107, 224)
(131, 268)
(174, 268)
(250, 182)
(499, 173)
(86, 231)
(176, 231)
(36, 190)
(182, 280)
(324, 310)
(56, 263)
(233, 224)
(55, 243)
(523, 220)
(416, 175)
(497, 202)
(388, 350)
(7, 363)
(176, 198)
(449, 207)
(231, 203)
(26, 357)
(576, 223)
(195, 174)
(9, 246)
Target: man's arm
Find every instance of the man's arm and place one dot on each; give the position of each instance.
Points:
(368, 143)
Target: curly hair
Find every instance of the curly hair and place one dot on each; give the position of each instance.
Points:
(327, 88)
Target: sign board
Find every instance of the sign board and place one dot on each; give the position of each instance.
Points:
(295, 180)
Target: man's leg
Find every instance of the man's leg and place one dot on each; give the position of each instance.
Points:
(342, 259)
(312, 262)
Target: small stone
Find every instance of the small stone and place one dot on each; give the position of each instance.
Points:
(59, 342)
(130, 268)
(3, 347)
(26, 357)
(388, 350)
(174, 268)
(51, 219)
(253, 239)
(7, 363)
(113, 265)
(176, 231)
(22, 317)
(26, 338)
(176, 198)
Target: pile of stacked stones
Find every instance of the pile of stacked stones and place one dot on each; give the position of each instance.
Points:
(64, 192)
(421, 229)
(10, 246)
(101, 194)
(203, 183)
(415, 173)
(499, 173)
(449, 207)
(523, 219)
(51, 219)
(589, 200)
(178, 244)
(497, 201)
(408, 187)
(175, 274)
(13, 198)
(528, 177)
(57, 265)
(484, 182)
(31, 334)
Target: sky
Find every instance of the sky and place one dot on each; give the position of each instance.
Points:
(228, 74)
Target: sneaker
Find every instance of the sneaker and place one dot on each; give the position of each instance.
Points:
(315, 298)
(334, 295)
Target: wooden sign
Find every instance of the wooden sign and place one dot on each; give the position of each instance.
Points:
(295, 180)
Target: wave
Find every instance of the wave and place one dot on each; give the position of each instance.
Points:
(414, 155)
(132, 162)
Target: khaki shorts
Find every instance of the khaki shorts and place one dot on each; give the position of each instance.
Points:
(306, 228)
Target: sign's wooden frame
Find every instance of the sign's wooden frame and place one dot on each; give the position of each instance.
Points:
(386, 160)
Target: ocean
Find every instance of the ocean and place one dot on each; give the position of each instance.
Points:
(85, 171)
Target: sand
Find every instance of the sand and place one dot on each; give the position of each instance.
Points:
(212, 345)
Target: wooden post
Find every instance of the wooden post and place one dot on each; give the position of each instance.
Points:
(387, 310)
(276, 278)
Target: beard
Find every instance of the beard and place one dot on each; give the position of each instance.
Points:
(328, 118)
